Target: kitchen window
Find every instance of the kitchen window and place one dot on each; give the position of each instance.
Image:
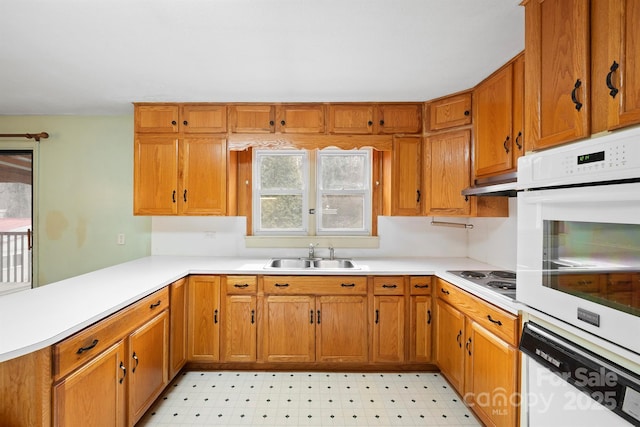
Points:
(312, 192)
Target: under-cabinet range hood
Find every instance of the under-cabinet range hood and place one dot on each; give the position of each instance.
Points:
(499, 185)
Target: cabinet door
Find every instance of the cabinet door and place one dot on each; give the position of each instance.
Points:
(351, 119)
(615, 43)
(491, 381)
(289, 328)
(406, 195)
(149, 363)
(300, 118)
(177, 326)
(450, 338)
(203, 118)
(450, 112)
(447, 169)
(341, 332)
(517, 119)
(252, 118)
(203, 188)
(388, 328)
(94, 395)
(240, 328)
(492, 109)
(156, 118)
(399, 118)
(155, 176)
(420, 329)
(204, 318)
(556, 72)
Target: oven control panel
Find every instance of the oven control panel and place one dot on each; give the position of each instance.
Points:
(607, 158)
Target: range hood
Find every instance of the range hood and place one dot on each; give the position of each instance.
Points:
(499, 185)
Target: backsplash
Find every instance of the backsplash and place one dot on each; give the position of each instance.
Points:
(492, 240)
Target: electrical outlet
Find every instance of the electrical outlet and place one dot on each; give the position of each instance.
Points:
(121, 238)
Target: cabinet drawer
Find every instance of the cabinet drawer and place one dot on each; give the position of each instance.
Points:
(388, 285)
(76, 350)
(494, 319)
(315, 285)
(420, 285)
(241, 284)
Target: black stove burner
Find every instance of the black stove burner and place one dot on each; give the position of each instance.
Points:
(501, 284)
(501, 274)
(473, 274)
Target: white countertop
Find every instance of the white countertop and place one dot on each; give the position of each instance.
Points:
(36, 318)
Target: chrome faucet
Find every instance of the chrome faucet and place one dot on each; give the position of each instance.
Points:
(312, 250)
(332, 253)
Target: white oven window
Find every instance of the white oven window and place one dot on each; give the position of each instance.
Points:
(595, 261)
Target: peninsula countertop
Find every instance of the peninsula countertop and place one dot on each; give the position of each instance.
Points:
(36, 318)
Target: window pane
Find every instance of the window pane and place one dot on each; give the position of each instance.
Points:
(346, 212)
(281, 171)
(280, 212)
(343, 172)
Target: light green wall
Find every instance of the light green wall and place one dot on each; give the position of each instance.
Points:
(85, 193)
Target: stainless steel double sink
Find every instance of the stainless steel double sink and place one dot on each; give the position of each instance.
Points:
(307, 263)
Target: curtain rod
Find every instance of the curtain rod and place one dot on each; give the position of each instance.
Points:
(35, 136)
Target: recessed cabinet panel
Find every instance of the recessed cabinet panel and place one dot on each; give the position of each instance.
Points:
(204, 176)
(307, 118)
(203, 119)
(156, 118)
(351, 119)
(155, 178)
(450, 112)
(252, 118)
(399, 118)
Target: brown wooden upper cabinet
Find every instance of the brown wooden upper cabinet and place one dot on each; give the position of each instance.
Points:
(615, 64)
(399, 118)
(300, 118)
(406, 194)
(252, 118)
(173, 118)
(351, 118)
(449, 112)
(497, 109)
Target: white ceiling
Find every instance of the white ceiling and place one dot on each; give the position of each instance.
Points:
(99, 56)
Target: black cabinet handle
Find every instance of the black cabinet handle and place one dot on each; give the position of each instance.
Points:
(574, 96)
(271, 123)
(444, 291)
(281, 285)
(173, 122)
(238, 285)
(184, 196)
(282, 122)
(458, 338)
(311, 316)
(348, 285)
(318, 317)
(421, 286)
(124, 372)
(468, 346)
(135, 357)
(614, 90)
(418, 197)
(377, 320)
(504, 144)
(253, 317)
(152, 306)
(381, 122)
(497, 322)
(518, 138)
(215, 316)
(87, 348)
(467, 112)
(185, 122)
(387, 286)
(428, 317)
(173, 196)
(369, 123)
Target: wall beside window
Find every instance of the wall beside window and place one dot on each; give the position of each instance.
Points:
(85, 193)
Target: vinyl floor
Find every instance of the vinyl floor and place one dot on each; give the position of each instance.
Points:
(250, 398)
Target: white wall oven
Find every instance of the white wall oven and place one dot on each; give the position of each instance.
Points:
(578, 261)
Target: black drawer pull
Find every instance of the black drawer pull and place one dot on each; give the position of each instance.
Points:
(173, 122)
(421, 286)
(444, 291)
(152, 306)
(428, 317)
(497, 322)
(173, 196)
(311, 316)
(389, 286)
(318, 317)
(468, 346)
(253, 317)
(184, 195)
(185, 122)
(124, 372)
(135, 357)
(215, 316)
(574, 96)
(458, 338)
(614, 90)
(87, 348)
(281, 285)
(348, 285)
(518, 138)
(377, 317)
(238, 285)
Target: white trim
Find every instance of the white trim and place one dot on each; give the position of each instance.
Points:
(361, 242)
